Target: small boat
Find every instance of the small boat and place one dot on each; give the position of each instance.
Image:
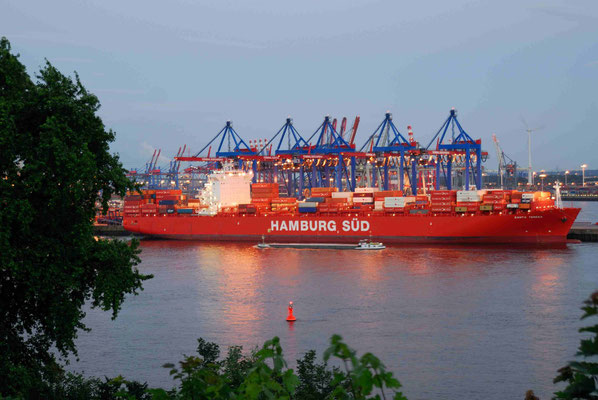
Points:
(369, 245)
(362, 245)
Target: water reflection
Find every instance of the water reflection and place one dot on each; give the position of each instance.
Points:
(448, 320)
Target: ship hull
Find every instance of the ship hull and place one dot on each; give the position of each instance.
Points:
(533, 227)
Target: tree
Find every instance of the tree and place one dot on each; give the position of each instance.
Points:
(264, 375)
(55, 164)
(581, 376)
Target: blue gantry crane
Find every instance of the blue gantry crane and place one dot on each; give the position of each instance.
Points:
(236, 146)
(458, 143)
(327, 163)
(387, 142)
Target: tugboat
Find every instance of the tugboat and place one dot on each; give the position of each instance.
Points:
(369, 245)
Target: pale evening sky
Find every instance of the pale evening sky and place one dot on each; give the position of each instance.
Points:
(172, 72)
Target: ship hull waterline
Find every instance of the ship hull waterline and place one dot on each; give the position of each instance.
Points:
(533, 227)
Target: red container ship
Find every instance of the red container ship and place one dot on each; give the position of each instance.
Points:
(230, 208)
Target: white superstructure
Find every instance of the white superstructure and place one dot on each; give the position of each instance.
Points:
(225, 188)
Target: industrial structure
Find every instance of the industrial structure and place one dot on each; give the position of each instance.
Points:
(329, 157)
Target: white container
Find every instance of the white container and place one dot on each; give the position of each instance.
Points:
(394, 199)
(363, 200)
(307, 204)
(366, 190)
(378, 205)
(469, 195)
(512, 205)
(527, 196)
(342, 195)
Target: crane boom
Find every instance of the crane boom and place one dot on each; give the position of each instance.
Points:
(500, 155)
(343, 126)
(354, 130)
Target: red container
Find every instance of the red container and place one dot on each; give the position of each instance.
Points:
(435, 203)
(388, 193)
(261, 200)
(360, 194)
(149, 208)
(438, 209)
(467, 204)
(336, 200)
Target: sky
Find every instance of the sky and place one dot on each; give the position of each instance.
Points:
(170, 73)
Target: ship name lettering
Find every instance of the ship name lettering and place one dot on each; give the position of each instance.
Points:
(356, 226)
(303, 226)
(319, 226)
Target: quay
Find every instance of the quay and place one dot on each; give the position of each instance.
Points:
(110, 230)
(584, 231)
(580, 197)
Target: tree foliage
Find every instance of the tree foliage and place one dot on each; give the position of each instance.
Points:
(581, 376)
(264, 375)
(55, 164)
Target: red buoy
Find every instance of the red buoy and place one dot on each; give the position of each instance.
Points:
(291, 317)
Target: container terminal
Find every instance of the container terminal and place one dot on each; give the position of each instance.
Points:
(290, 182)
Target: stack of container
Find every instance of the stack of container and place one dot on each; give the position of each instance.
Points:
(284, 204)
(422, 201)
(363, 198)
(341, 198)
(495, 200)
(167, 194)
(397, 204)
(381, 195)
(307, 206)
(247, 209)
(517, 200)
(133, 204)
(167, 204)
(262, 204)
(325, 192)
(194, 204)
(264, 191)
(229, 210)
(442, 201)
(516, 196)
(149, 208)
(468, 200)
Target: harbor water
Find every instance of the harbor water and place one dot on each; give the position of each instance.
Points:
(449, 321)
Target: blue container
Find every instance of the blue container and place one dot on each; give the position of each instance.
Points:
(308, 209)
(316, 199)
(167, 202)
(185, 211)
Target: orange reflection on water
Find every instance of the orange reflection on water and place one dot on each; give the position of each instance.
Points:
(237, 279)
(548, 278)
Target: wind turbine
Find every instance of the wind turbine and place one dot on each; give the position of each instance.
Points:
(529, 149)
